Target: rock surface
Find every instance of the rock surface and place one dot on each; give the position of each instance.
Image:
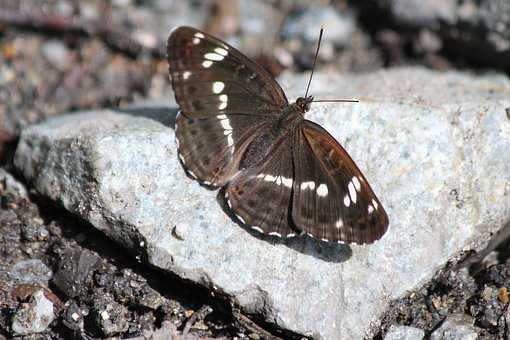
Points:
(34, 316)
(404, 333)
(31, 271)
(456, 327)
(467, 25)
(432, 145)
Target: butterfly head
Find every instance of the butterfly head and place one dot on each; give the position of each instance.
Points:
(303, 104)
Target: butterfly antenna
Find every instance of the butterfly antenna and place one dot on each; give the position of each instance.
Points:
(311, 75)
(314, 61)
(336, 101)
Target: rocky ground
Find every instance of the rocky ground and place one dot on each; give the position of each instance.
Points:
(62, 279)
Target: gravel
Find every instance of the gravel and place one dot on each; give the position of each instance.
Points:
(404, 333)
(34, 316)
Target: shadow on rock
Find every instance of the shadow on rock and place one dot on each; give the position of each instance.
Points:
(329, 252)
(163, 114)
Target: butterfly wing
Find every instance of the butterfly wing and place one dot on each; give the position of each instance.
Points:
(223, 97)
(210, 77)
(332, 200)
(260, 196)
(211, 148)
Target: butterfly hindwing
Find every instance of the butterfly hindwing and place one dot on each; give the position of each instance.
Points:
(260, 196)
(210, 148)
(332, 199)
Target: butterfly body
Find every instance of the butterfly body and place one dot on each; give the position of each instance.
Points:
(282, 174)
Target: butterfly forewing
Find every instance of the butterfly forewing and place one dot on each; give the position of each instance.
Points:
(211, 77)
(224, 98)
(332, 199)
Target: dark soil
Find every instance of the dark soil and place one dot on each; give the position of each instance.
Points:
(479, 291)
(91, 276)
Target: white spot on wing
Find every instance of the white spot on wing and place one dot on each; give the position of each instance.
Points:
(347, 200)
(220, 117)
(339, 224)
(230, 140)
(269, 178)
(199, 35)
(214, 56)
(324, 239)
(228, 201)
(186, 74)
(225, 124)
(217, 87)
(370, 209)
(221, 51)
(322, 190)
(224, 101)
(258, 229)
(287, 182)
(352, 192)
(291, 235)
(240, 219)
(374, 203)
(207, 64)
(356, 182)
(196, 41)
(274, 233)
(308, 185)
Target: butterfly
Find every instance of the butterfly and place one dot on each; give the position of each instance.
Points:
(281, 174)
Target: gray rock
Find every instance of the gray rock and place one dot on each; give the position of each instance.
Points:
(34, 316)
(11, 185)
(167, 331)
(302, 29)
(464, 26)
(426, 13)
(433, 146)
(456, 327)
(56, 53)
(404, 333)
(306, 24)
(74, 270)
(31, 271)
(72, 317)
(109, 316)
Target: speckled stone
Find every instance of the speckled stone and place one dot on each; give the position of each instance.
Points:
(34, 316)
(434, 147)
(456, 327)
(404, 333)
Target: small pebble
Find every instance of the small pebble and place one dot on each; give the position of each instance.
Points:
(34, 316)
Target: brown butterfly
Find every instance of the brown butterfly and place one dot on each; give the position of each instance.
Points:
(282, 174)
